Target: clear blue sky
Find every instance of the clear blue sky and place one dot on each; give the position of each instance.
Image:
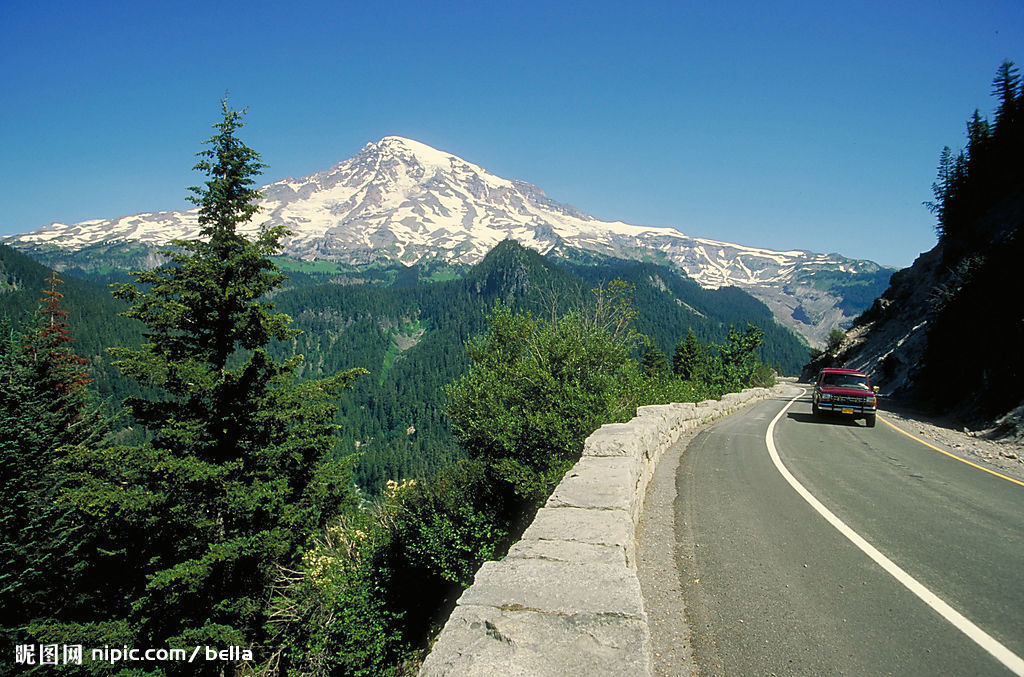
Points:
(812, 125)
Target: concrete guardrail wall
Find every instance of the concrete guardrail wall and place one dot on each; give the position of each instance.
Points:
(566, 599)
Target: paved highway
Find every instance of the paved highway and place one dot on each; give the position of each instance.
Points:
(933, 585)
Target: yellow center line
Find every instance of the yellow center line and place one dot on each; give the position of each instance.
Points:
(943, 451)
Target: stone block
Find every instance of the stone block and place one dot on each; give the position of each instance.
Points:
(732, 401)
(548, 586)
(656, 410)
(615, 439)
(599, 527)
(569, 551)
(637, 439)
(665, 420)
(488, 642)
(687, 410)
(598, 483)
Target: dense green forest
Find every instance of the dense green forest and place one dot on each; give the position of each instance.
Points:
(412, 340)
(92, 317)
(410, 333)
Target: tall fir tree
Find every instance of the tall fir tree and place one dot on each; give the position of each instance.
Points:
(1006, 88)
(238, 472)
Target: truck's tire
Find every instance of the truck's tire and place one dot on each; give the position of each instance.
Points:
(870, 420)
(814, 409)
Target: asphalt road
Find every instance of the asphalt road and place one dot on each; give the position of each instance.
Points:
(773, 588)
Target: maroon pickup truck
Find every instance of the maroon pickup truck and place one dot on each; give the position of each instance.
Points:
(845, 392)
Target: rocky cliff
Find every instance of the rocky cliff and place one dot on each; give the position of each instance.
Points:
(947, 336)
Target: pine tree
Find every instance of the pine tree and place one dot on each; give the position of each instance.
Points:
(1006, 88)
(654, 363)
(44, 406)
(978, 135)
(237, 474)
(688, 357)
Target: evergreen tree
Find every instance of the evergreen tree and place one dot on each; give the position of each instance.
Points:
(234, 478)
(739, 355)
(1006, 88)
(979, 133)
(44, 406)
(689, 355)
(654, 363)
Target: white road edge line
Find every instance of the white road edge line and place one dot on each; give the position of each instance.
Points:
(1002, 654)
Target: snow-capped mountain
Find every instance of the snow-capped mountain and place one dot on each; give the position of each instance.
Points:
(399, 200)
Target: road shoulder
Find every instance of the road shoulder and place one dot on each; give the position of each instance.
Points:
(1003, 455)
(658, 570)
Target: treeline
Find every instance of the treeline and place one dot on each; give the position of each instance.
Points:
(985, 173)
(394, 418)
(233, 520)
(974, 342)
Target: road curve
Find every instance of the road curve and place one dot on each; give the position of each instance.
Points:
(772, 587)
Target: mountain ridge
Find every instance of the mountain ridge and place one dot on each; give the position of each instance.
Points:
(401, 201)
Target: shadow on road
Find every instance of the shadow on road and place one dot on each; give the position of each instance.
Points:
(802, 417)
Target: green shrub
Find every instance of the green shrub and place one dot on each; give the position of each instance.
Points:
(330, 615)
(535, 391)
(447, 527)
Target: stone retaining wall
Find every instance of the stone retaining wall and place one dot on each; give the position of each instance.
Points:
(566, 599)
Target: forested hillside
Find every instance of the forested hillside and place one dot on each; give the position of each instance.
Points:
(410, 334)
(92, 316)
(411, 340)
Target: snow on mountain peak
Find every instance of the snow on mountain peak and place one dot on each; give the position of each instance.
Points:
(424, 154)
(401, 200)
(433, 161)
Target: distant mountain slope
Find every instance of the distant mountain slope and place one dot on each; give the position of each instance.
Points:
(401, 201)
